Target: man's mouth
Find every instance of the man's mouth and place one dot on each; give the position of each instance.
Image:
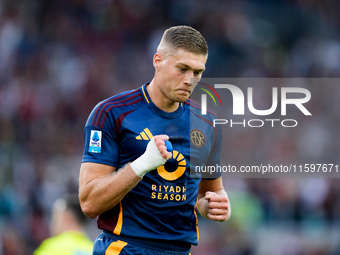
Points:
(184, 91)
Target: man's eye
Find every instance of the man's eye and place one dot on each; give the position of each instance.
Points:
(182, 69)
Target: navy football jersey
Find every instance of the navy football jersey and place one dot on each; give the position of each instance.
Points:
(162, 205)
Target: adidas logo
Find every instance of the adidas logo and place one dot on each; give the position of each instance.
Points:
(145, 135)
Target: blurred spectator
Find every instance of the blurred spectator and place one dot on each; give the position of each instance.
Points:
(67, 230)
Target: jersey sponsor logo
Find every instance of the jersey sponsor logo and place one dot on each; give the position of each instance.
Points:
(172, 170)
(169, 192)
(95, 145)
(197, 138)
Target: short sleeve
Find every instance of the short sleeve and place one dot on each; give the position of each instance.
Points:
(215, 154)
(100, 138)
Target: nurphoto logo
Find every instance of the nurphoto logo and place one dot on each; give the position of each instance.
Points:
(280, 99)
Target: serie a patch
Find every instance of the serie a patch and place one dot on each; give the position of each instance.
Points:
(95, 145)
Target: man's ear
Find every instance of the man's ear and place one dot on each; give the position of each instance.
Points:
(157, 60)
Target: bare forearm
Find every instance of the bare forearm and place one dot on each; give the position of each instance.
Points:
(103, 193)
(101, 187)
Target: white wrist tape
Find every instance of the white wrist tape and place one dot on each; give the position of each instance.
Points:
(150, 160)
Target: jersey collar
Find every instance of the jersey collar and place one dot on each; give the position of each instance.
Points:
(155, 109)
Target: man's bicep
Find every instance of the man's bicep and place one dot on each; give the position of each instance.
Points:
(92, 188)
(90, 171)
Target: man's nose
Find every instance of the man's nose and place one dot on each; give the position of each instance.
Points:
(189, 78)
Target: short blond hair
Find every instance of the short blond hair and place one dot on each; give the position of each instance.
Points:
(186, 38)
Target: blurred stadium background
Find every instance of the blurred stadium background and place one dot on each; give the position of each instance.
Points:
(59, 58)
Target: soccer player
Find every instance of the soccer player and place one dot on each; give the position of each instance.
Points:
(140, 190)
(68, 235)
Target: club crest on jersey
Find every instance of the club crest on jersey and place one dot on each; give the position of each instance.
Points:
(95, 145)
(197, 138)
